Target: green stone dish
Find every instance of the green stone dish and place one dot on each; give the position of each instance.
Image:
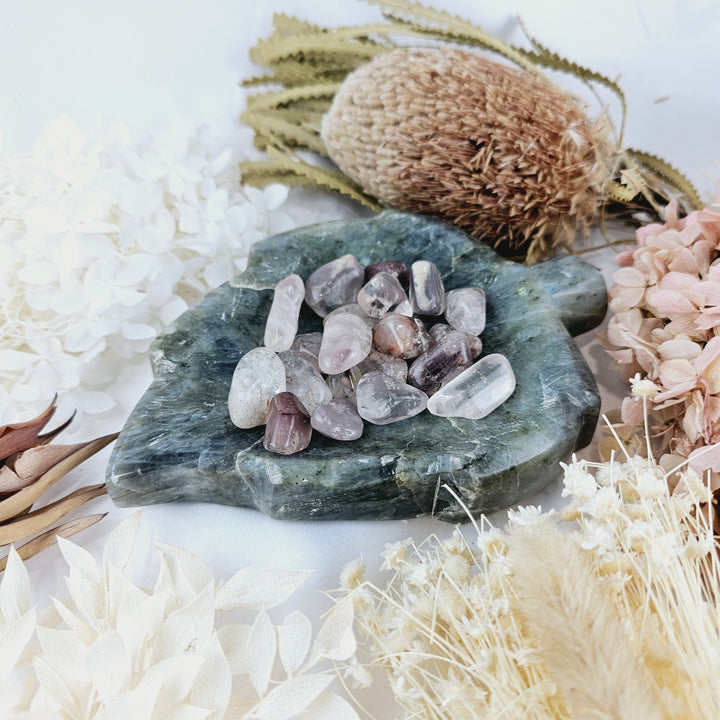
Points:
(179, 443)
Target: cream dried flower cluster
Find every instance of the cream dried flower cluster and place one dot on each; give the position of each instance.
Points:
(105, 240)
(610, 608)
(114, 650)
(666, 304)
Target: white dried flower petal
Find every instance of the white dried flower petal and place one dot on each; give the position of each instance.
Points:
(14, 590)
(335, 639)
(258, 587)
(294, 635)
(292, 697)
(262, 647)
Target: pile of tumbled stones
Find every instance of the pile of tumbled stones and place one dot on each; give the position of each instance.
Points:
(357, 369)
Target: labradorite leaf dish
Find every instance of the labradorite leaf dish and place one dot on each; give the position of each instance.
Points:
(179, 443)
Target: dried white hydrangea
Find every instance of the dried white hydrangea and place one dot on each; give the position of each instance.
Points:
(105, 240)
(114, 650)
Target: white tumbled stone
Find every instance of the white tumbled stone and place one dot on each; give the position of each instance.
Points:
(258, 377)
(465, 309)
(282, 320)
(427, 293)
(477, 391)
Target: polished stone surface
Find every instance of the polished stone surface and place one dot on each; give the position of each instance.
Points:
(179, 443)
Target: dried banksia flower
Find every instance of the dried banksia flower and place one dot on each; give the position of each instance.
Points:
(500, 152)
(29, 466)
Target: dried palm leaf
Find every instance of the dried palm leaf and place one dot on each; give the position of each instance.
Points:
(29, 466)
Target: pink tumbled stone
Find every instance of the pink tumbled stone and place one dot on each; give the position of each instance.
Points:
(288, 428)
(400, 336)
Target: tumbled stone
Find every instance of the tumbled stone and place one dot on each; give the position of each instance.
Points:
(392, 366)
(477, 391)
(427, 293)
(347, 340)
(400, 336)
(282, 320)
(343, 384)
(334, 284)
(288, 428)
(465, 309)
(308, 345)
(439, 330)
(382, 400)
(383, 294)
(258, 376)
(399, 269)
(337, 419)
(441, 363)
(304, 380)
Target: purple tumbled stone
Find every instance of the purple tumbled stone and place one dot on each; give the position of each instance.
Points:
(337, 419)
(400, 336)
(399, 269)
(334, 284)
(288, 428)
(441, 363)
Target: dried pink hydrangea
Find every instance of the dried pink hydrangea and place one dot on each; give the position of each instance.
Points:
(666, 327)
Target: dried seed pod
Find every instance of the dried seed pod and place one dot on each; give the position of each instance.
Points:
(498, 151)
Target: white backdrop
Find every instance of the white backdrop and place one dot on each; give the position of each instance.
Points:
(145, 62)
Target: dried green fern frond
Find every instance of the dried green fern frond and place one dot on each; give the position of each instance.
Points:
(446, 132)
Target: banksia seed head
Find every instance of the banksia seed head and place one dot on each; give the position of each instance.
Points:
(499, 152)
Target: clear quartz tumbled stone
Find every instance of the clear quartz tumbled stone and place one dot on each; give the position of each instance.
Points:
(288, 428)
(382, 400)
(400, 336)
(347, 340)
(477, 391)
(427, 293)
(392, 366)
(399, 269)
(258, 376)
(308, 345)
(282, 320)
(304, 380)
(465, 309)
(334, 284)
(439, 330)
(441, 363)
(383, 294)
(337, 419)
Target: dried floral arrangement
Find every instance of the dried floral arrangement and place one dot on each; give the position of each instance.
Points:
(106, 239)
(608, 608)
(115, 650)
(664, 326)
(29, 467)
(500, 151)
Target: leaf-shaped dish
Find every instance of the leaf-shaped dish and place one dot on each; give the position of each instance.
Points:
(179, 443)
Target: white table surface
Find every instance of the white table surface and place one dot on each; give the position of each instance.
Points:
(145, 62)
